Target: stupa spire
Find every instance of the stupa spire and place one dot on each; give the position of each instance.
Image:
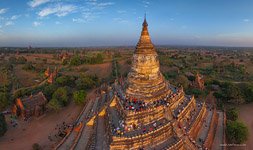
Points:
(145, 40)
(145, 21)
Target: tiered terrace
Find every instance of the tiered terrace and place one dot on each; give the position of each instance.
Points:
(147, 112)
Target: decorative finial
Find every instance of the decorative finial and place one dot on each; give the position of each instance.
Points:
(145, 21)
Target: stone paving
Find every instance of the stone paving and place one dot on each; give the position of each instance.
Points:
(100, 134)
(199, 106)
(205, 128)
(182, 105)
(219, 133)
(167, 143)
(70, 139)
(87, 130)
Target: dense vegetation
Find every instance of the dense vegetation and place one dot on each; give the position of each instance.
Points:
(77, 60)
(236, 131)
(3, 125)
(234, 93)
(69, 87)
(5, 85)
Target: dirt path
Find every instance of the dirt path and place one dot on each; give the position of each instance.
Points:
(37, 130)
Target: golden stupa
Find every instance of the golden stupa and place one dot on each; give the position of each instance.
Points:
(152, 114)
(145, 112)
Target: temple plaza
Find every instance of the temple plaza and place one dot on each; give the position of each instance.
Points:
(145, 112)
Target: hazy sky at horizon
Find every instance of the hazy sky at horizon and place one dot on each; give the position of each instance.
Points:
(118, 22)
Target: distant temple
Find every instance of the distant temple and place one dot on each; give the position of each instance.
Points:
(51, 76)
(199, 82)
(47, 72)
(64, 56)
(34, 105)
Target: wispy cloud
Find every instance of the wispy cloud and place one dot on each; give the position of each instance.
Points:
(91, 11)
(36, 3)
(3, 10)
(78, 20)
(58, 10)
(36, 23)
(99, 5)
(146, 3)
(246, 20)
(14, 17)
(9, 23)
(120, 20)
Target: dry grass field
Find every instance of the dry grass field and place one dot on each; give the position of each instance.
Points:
(101, 70)
(26, 78)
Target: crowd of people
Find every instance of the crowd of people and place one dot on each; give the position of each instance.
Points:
(120, 128)
(132, 129)
(60, 131)
(181, 106)
(134, 104)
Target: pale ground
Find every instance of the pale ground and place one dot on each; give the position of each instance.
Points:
(26, 78)
(101, 70)
(38, 130)
(35, 57)
(245, 115)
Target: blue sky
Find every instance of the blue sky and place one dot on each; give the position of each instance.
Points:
(46, 23)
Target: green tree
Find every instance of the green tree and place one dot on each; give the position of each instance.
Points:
(247, 90)
(232, 114)
(182, 80)
(75, 60)
(85, 82)
(3, 100)
(236, 132)
(99, 58)
(36, 146)
(54, 104)
(64, 80)
(195, 92)
(21, 60)
(61, 94)
(49, 90)
(191, 78)
(28, 66)
(79, 96)
(232, 93)
(218, 95)
(3, 125)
